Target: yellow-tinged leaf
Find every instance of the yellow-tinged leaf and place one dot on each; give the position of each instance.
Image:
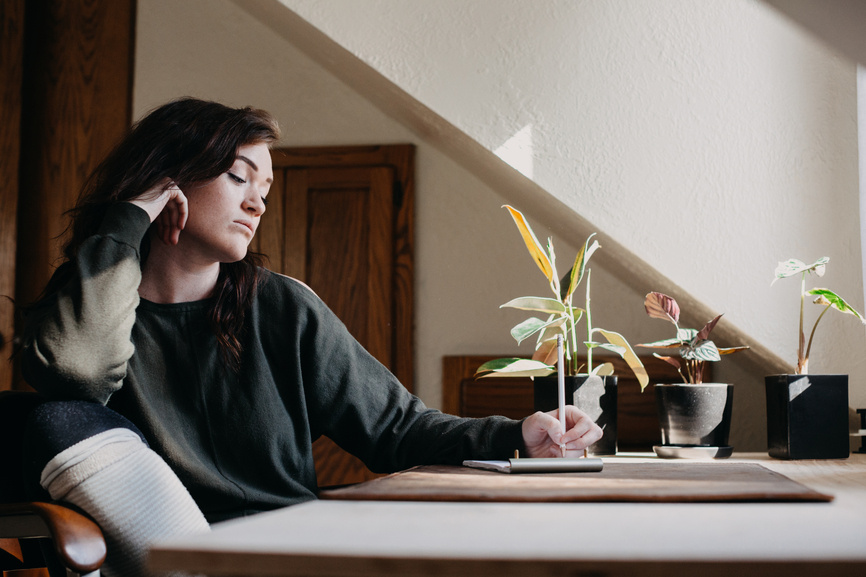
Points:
(535, 250)
(631, 359)
(604, 369)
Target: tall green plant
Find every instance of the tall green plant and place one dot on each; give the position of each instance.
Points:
(561, 318)
(824, 297)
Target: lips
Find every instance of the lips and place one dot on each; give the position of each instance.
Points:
(247, 224)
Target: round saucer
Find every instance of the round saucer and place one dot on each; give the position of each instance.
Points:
(683, 452)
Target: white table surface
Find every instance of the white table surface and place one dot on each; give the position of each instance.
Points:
(476, 539)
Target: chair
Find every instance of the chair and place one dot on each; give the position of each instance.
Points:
(38, 534)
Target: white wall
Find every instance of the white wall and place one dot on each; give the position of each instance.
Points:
(711, 139)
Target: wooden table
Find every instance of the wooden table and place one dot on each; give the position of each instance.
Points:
(355, 538)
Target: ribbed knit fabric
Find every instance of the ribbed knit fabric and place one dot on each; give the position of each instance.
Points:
(129, 491)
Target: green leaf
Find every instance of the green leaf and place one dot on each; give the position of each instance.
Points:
(608, 347)
(538, 304)
(793, 266)
(579, 267)
(628, 354)
(532, 244)
(513, 367)
(828, 297)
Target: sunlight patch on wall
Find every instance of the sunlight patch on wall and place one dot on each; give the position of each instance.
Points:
(517, 151)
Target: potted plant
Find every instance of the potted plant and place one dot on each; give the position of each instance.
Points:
(807, 415)
(590, 386)
(695, 417)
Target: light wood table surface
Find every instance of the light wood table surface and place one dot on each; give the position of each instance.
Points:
(371, 538)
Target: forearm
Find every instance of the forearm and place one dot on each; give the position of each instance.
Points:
(77, 342)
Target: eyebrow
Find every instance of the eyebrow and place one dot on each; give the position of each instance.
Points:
(253, 165)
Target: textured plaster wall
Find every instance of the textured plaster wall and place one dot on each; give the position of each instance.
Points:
(465, 242)
(712, 139)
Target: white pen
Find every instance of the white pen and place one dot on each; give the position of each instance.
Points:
(560, 371)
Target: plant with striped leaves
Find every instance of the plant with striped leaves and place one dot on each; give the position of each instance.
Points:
(825, 297)
(561, 318)
(694, 346)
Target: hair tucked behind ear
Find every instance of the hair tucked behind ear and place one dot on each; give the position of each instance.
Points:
(189, 141)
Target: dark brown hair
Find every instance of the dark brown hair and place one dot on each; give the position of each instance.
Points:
(189, 141)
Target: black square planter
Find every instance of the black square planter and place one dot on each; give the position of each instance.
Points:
(807, 416)
(596, 397)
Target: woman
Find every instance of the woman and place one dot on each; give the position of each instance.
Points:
(226, 371)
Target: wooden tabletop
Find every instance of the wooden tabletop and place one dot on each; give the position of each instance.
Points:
(355, 538)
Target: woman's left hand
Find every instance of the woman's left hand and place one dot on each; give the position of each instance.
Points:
(543, 435)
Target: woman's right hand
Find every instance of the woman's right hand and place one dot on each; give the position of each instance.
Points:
(166, 205)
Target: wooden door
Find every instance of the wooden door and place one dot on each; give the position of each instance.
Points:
(339, 219)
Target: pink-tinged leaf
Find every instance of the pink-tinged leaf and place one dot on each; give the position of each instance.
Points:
(532, 244)
(546, 352)
(669, 360)
(704, 333)
(661, 306)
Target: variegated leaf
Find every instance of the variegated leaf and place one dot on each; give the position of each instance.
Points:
(628, 355)
(579, 267)
(793, 266)
(603, 370)
(664, 344)
(537, 304)
(661, 306)
(527, 328)
(686, 335)
(511, 367)
(532, 244)
(827, 297)
(706, 351)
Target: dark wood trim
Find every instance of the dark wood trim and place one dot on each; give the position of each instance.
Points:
(11, 66)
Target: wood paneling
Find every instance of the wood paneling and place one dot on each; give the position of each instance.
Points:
(11, 66)
(77, 95)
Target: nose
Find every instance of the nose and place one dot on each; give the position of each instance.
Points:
(254, 204)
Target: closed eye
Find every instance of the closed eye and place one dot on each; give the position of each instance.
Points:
(236, 178)
(265, 200)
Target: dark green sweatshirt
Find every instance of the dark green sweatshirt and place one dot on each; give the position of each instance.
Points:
(240, 442)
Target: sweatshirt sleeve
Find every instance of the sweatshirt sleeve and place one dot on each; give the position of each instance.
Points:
(77, 341)
(357, 402)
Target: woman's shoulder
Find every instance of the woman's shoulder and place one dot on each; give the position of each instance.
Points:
(275, 287)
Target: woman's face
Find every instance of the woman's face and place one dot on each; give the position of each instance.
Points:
(225, 212)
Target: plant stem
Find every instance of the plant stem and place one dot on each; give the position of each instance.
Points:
(802, 356)
(812, 336)
(588, 323)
